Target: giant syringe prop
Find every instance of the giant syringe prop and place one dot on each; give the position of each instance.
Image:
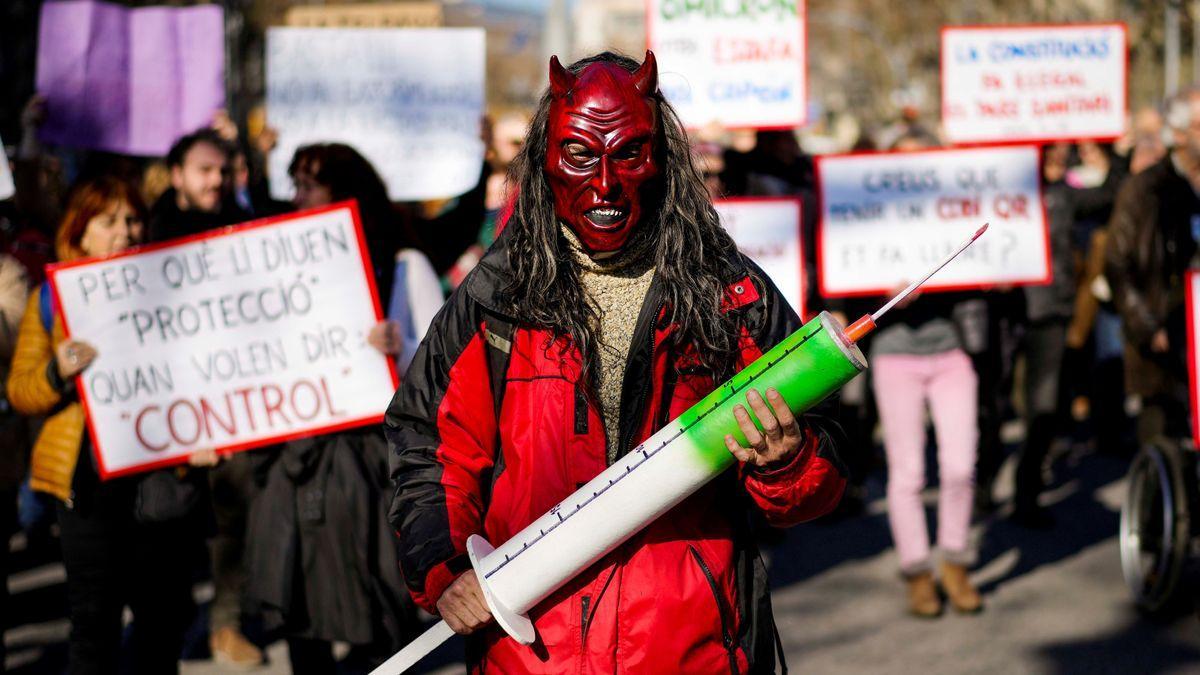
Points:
(806, 367)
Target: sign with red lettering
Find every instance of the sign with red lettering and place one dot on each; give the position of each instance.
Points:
(886, 218)
(734, 64)
(228, 340)
(767, 230)
(1033, 83)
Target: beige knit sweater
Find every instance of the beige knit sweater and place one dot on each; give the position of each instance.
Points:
(616, 286)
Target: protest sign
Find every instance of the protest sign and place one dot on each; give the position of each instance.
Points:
(767, 229)
(409, 100)
(887, 217)
(1033, 83)
(227, 340)
(1192, 290)
(379, 15)
(129, 80)
(735, 64)
(6, 180)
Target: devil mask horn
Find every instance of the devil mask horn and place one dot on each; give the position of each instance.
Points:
(561, 79)
(645, 80)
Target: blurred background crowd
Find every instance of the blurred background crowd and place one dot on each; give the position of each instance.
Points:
(1023, 384)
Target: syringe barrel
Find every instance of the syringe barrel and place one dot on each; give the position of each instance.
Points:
(806, 367)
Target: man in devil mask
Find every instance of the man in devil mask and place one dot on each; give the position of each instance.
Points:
(612, 302)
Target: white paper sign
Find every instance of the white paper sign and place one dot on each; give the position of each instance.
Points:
(409, 100)
(1033, 83)
(887, 218)
(736, 64)
(1192, 289)
(768, 231)
(227, 340)
(6, 180)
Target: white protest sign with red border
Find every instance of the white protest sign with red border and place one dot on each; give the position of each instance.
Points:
(738, 65)
(767, 229)
(885, 218)
(1034, 83)
(227, 340)
(1192, 289)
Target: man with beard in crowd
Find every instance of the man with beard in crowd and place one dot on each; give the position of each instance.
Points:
(611, 303)
(1151, 245)
(198, 200)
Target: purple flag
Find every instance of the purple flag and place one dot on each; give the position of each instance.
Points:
(129, 80)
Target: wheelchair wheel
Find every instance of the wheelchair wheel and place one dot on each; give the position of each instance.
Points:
(1156, 522)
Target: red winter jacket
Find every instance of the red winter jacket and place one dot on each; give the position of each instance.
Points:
(687, 594)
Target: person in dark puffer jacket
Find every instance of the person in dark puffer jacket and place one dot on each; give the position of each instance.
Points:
(611, 303)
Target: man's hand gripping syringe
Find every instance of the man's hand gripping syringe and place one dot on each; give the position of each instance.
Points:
(802, 370)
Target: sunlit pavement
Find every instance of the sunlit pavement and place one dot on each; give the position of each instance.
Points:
(1055, 600)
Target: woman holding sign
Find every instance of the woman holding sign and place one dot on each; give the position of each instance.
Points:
(117, 549)
(322, 562)
(409, 288)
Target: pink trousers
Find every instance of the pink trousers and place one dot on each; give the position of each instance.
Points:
(903, 384)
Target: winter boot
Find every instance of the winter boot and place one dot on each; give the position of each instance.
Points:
(963, 596)
(923, 598)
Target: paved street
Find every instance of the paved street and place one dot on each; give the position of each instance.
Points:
(1056, 602)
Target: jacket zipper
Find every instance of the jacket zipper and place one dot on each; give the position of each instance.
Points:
(588, 612)
(584, 604)
(722, 610)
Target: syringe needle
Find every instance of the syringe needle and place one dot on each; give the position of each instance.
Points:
(866, 324)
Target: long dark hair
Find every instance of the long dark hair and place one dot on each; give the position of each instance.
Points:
(349, 175)
(691, 248)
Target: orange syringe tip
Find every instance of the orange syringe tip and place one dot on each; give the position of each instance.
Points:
(859, 329)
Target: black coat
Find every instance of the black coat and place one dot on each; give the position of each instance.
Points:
(320, 558)
(168, 221)
(1150, 247)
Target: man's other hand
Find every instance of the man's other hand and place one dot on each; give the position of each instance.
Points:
(462, 605)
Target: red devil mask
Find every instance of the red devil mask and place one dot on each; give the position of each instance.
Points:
(600, 158)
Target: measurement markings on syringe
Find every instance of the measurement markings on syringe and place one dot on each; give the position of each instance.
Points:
(646, 455)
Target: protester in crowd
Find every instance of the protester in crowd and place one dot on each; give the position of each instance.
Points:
(1152, 243)
(918, 359)
(125, 541)
(1148, 149)
(30, 220)
(1048, 308)
(989, 324)
(1094, 341)
(451, 225)
(503, 140)
(612, 224)
(322, 562)
(248, 184)
(408, 288)
(247, 176)
(1096, 380)
(1146, 129)
(40, 195)
(199, 200)
(13, 429)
